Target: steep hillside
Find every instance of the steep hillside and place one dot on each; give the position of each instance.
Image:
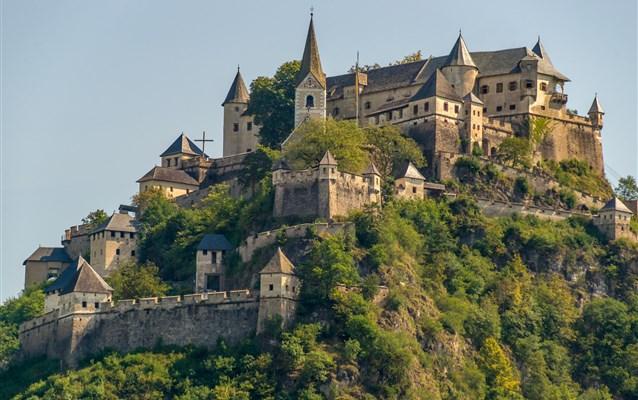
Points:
(475, 308)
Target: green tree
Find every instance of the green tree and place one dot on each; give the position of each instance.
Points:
(627, 188)
(387, 147)
(272, 104)
(257, 166)
(95, 218)
(501, 375)
(515, 151)
(134, 281)
(538, 129)
(313, 138)
(13, 312)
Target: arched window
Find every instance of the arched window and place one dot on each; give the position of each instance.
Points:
(310, 101)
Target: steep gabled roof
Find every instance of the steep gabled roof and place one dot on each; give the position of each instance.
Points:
(311, 62)
(214, 241)
(540, 51)
(279, 264)
(328, 159)
(408, 170)
(595, 106)
(182, 145)
(437, 86)
(472, 98)
(79, 277)
(615, 204)
(171, 175)
(46, 254)
(460, 55)
(237, 92)
(119, 222)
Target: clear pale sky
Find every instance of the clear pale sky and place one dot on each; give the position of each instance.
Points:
(93, 91)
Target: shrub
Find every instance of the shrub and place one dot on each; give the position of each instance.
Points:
(521, 187)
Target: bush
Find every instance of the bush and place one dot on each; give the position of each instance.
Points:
(521, 187)
(568, 197)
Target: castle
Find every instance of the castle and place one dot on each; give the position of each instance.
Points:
(448, 104)
(465, 102)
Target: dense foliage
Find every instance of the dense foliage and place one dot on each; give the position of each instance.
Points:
(13, 312)
(470, 308)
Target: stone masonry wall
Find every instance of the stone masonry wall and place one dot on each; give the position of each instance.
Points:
(198, 319)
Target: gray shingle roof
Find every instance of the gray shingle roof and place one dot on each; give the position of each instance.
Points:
(460, 55)
(118, 222)
(615, 204)
(311, 62)
(79, 277)
(214, 241)
(171, 175)
(182, 145)
(595, 106)
(371, 170)
(328, 159)
(237, 92)
(408, 170)
(472, 98)
(438, 86)
(279, 264)
(46, 254)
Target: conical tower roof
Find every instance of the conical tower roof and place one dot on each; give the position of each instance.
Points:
(595, 106)
(311, 62)
(460, 55)
(328, 159)
(279, 264)
(237, 92)
(182, 145)
(372, 170)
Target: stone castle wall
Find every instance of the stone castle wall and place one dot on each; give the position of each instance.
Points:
(199, 319)
(497, 208)
(296, 193)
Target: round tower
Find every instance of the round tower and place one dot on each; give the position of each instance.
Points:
(459, 68)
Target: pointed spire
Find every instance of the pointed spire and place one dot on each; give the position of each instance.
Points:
(371, 170)
(595, 106)
(279, 264)
(460, 55)
(238, 92)
(182, 145)
(311, 62)
(328, 159)
(540, 51)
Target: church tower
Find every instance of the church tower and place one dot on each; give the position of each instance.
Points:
(240, 133)
(459, 68)
(310, 92)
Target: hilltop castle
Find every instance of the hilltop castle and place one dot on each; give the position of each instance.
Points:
(447, 104)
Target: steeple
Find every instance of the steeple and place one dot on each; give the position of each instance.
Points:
(540, 51)
(311, 63)
(595, 106)
(460, 55)
(238, 92)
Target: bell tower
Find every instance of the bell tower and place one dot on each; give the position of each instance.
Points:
(310, 92)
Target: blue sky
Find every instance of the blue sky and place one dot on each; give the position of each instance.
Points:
(93, 91)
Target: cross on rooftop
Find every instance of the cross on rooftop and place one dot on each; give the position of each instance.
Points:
(203, 140)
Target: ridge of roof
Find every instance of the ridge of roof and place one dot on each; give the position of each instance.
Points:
(79, 277)
(117, 222)
(46, 254)
(165, 174)
(437, 85)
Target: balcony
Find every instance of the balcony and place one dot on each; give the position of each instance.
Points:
(558, 98)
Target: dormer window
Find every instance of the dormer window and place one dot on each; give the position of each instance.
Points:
(310, 101)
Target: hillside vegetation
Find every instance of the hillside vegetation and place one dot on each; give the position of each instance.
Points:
(476, 308)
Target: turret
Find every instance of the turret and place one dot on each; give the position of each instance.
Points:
(181, 149)
(373, 177)
(278, 292)
(459, 68)
(596, 113)
(327, 166)
(310, 92)
(240, 133)
(473, 107)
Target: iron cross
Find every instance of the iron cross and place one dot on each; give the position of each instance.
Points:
(204, 140)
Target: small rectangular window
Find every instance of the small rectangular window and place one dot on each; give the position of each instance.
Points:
(112, 234)
(485, 89)
(499, 87)
(389, 116)
(426, 106)
(456, 109)
(529, 84)
(97, 305)
(235, 127)
(132, 253)
(499, 108)
(249, 126)
(512, 86)
(205, 252)
(445, 106)
(512, 106)
(214, 257)
(121, 234)
(415, 110)
(84, 304)
(132, 235)
(543, 86)
(117, 252)
(271, 287)
(400, 113)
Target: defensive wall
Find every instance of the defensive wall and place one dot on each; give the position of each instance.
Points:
(269, 238)
(76, 332)
(498, 208)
